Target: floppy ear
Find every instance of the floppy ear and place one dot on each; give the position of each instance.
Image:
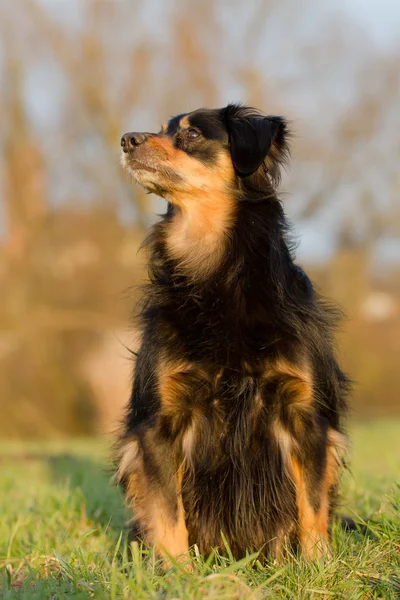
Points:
(252, 137)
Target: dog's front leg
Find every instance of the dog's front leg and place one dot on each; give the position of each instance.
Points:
(152, 481)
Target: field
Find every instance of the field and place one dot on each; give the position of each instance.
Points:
(62, 533)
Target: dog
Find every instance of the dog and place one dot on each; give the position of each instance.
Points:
(234, 430)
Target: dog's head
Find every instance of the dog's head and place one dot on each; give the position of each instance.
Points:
(205, 163)
(208, 152)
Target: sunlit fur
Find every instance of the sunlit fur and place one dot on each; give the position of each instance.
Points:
(234, 426)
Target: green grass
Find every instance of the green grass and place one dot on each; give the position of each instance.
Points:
(62, 533)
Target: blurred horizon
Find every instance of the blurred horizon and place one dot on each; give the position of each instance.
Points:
(76, 74)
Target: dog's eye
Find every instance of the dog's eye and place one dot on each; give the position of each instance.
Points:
(192, 133)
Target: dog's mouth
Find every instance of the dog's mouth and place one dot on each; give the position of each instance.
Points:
(155, 179)
(137, 165)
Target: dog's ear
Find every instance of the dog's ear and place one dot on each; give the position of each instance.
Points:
(255, 139)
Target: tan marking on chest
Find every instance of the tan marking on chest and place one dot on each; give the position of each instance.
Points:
(197, 236)
(295, 396)
(173, 384)
(295, 382)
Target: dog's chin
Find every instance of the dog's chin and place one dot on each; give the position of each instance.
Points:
(143, 178)
(142, 174)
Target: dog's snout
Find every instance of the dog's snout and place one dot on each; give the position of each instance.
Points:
(130, 140)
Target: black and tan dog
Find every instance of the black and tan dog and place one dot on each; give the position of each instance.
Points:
(234, 424)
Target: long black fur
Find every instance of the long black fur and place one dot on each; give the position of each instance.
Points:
(255, 306)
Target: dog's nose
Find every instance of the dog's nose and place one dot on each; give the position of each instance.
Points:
(132, 139)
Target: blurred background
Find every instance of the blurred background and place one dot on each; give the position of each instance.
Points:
(76, 74)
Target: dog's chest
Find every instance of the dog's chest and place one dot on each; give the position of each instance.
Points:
(208, 411)
(222, 326)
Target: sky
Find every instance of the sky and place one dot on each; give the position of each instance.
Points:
(378, 22)
(380, 18)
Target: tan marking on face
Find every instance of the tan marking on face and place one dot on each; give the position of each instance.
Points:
(199, 233)
(196, 178)
(184, 122)
(203, 194)
(151, 511)
(162, 148)
(164, 128)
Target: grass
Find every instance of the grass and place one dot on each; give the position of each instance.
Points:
(62, 533)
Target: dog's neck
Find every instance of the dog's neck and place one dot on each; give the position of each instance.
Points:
(245, 295)
(197, 233)
(236, 245)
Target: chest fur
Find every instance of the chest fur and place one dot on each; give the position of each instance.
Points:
(217, 413)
